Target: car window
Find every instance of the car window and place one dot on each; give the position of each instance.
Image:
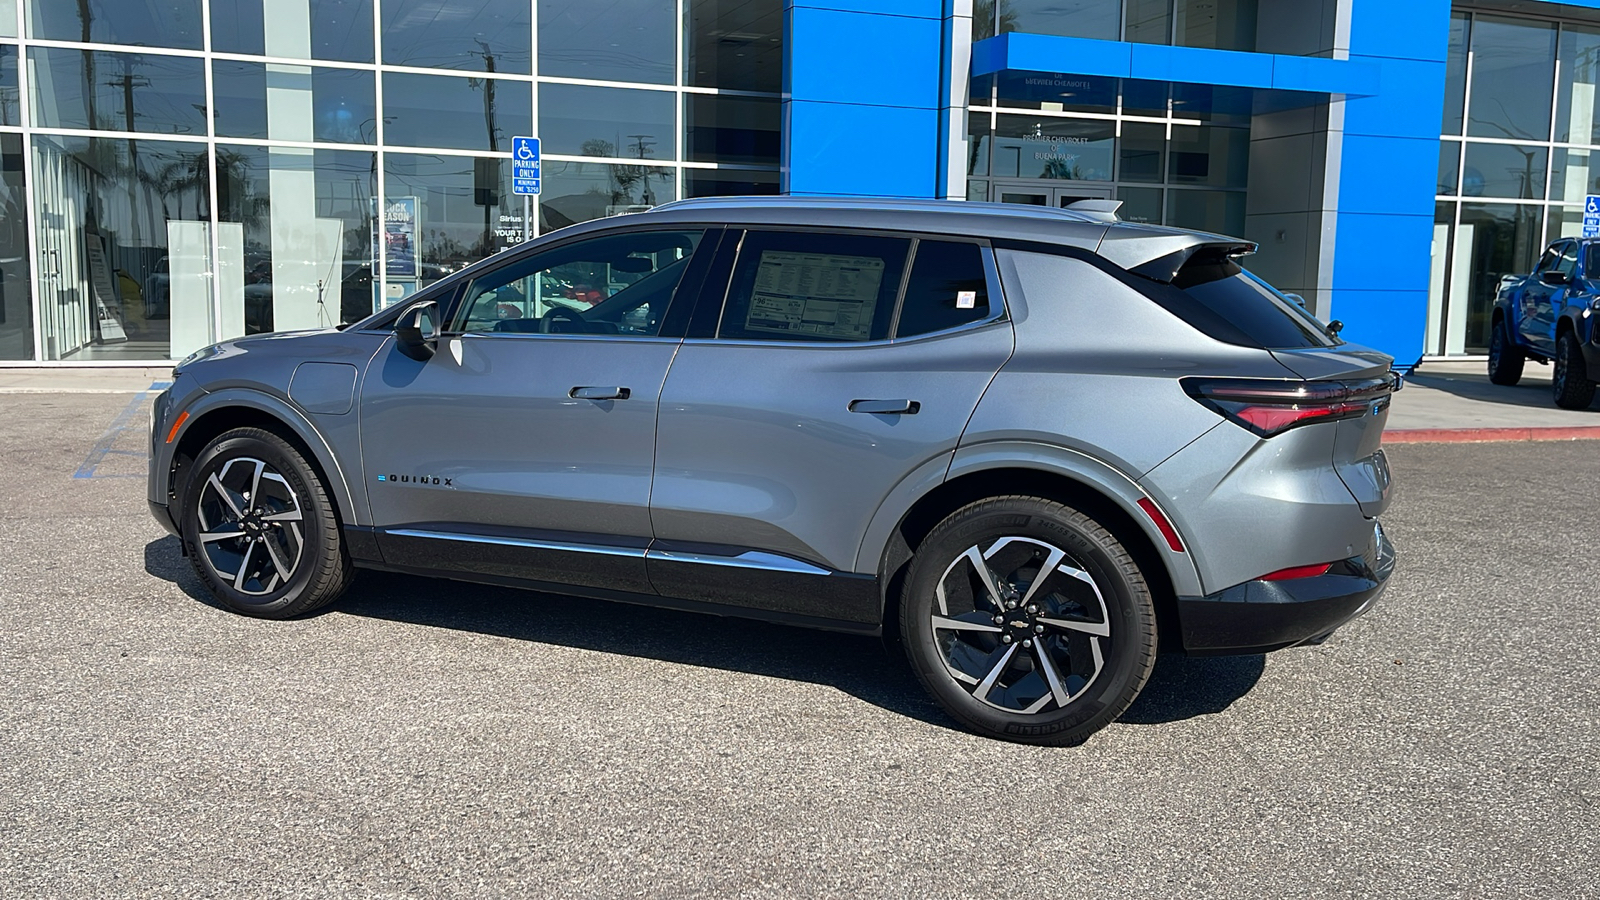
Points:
(947, 288)
(1591, 261)
(616, 284)
(1219, 298)
(1567, 263)
(1547, 260)
(813, 286)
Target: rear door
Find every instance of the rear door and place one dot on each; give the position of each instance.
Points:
(808, 394)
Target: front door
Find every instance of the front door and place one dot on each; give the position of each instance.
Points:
(784, 431)
(523, 448)
(1058, 194)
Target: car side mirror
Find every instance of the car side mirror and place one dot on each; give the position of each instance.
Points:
(1335, 327)
(1555, 278)
(417, 335)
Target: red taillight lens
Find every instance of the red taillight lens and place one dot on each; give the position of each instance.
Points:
(1271, 406)
(1298, 572)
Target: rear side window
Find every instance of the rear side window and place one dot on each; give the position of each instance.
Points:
(799, 286)
(947, 288)
(1218, 297)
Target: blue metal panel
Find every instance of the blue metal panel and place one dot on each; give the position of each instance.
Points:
(1400, 29)
(1410, 104)
(1382, 252)
(926, 9)
(863, 58)
(1392, 175)
(1328, 76)
(1395, 322)
(1154, 62)
(875, 151)
(1049, 53)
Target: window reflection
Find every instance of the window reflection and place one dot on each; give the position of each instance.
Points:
(450, 111)
(16, 307)
(728, 183)
(1029, 147)
(1219, 212)
(1511, 81)
(171, 23)
(1504, 170)
(734, 44)
(613, 122)
(442, 213)
(338, 29)
(340, 102)
(627, 40)
(293, 257)
(10, 110)
(129, 278)
(482, 36)
(731, 129)
(1495, 239)
(131, 91)
(1455, 74)
(578, 192)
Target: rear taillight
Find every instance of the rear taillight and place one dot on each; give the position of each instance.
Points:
(1297, 572)
(1271, 406)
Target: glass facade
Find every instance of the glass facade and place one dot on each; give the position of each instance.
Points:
(1214, 24)
(1521, 122)
(303, 162)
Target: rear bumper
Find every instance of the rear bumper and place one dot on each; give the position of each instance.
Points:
(1261, 616)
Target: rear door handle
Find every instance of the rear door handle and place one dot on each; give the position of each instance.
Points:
(599, 393)
(886, 407)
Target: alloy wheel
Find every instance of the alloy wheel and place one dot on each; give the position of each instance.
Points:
(250, 533)
(1020, 625)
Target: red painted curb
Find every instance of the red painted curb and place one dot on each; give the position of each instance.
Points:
(1487, 435)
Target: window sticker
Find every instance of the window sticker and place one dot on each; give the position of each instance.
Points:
(815, 294)
(966, 300)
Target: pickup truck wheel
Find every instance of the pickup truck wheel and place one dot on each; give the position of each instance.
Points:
(1505, 358)
(1028, 621)
(1571, 383)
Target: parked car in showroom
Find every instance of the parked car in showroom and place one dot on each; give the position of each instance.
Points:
(1035, 445)
(1549, 316)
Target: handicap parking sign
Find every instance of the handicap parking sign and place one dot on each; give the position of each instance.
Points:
(1591, 216)
(525, 165)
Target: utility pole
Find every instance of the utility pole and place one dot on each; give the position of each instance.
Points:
(488, 119)
(128, 81)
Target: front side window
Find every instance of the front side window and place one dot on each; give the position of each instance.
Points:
(813, 287)
(616, 284)
(1568, 261)
(947, 289)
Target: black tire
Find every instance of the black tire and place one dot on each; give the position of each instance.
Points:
(1057, 646)
(273, 516)
(1505, 358)
(1570, 383)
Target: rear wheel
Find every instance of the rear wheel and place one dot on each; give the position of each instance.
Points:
(1571, 384)
(1505, 357)
(259, 528)
(1028, 621)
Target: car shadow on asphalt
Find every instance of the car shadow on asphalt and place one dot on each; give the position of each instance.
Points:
(863, 667)
(1533, 392)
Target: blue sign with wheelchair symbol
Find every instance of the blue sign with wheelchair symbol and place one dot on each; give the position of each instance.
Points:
(525, 166)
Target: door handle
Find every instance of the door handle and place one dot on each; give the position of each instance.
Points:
(886, 407)
(599, 393)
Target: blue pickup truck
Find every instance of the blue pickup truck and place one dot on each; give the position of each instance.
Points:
(1550, 316)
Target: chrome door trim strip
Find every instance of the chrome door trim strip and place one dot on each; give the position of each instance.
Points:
(750, 559)
(632, 552)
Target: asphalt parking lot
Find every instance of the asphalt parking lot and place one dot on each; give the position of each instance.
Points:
(422, 738)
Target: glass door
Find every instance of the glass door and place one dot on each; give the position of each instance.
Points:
(1036, 193)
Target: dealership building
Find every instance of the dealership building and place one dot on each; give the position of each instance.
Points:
(176, 172)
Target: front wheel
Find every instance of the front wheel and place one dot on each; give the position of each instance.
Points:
(1028, 621)
(1505, 358)
(1571, 384)
(259, 528)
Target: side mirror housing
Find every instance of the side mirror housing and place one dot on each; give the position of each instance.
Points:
(1555, 278)
(417, 335)
(1335, 327)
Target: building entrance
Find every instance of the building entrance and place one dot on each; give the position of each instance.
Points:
(1035, 193)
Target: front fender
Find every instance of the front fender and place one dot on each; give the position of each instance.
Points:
(239, 397)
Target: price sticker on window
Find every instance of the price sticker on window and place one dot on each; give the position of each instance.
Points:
(966, 299)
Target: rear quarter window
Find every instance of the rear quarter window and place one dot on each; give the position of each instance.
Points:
(1220, 299)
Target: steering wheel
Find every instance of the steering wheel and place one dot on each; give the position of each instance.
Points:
(555, 313)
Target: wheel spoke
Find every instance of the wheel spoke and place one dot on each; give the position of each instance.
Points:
(987, 684)
(1049, 568)
(1048, 668)
(289, 515)
(215, 484)
(1101, 629)
(950, 624)
(277, 560)
(222, 532)
(244, 565)
(982, 565)
(255, 484)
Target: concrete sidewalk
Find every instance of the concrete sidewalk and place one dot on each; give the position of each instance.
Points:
(1440, 402)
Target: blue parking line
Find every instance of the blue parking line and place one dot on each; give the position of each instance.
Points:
(125, 420)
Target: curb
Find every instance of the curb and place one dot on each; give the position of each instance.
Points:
(1490, 435)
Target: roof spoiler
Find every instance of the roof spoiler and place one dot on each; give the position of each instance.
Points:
(1165, 268)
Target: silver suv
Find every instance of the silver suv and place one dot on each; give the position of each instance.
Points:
(1037, 445)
